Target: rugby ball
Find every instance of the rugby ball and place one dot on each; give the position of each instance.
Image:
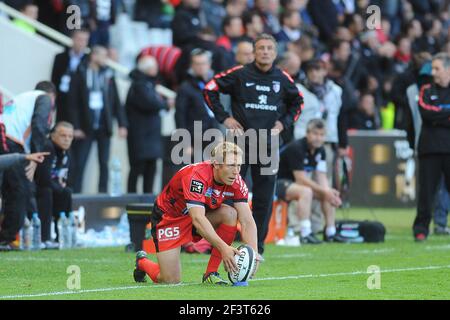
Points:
(246, 263)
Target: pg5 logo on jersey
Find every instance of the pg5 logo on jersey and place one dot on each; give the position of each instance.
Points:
(168, 233)
(196, 186)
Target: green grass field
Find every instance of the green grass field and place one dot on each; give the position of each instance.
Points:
(330, 271)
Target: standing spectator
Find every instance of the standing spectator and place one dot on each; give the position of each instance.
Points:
(65, 66)
(275, 104)
(187, 23)
(144, 136)
(27, 118)
(323, 100)
(190, 105)
(290, 63)
(102, 16)
(434, 142)
(232, 33)
(53, 195)
(93, 103)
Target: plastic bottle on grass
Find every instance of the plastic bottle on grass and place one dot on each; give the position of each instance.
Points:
(26, 235)
(36, 226)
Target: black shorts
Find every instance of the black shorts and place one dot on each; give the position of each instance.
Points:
(281, 187)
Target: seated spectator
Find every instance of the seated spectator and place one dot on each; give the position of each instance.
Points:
(52, 193)
(268, 11)
(302, 177)
(244, 53)
(402, 56)
(253, 25)
(9, 160)
(290, 27)
(232, 33)
(365, 117)
(144, 137)
(235, 7)
(27, 119)
(30, 10)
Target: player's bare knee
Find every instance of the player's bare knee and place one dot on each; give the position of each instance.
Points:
(230, 216)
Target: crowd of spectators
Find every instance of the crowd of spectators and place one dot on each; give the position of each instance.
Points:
(353, 69)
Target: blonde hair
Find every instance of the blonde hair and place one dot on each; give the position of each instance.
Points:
(223, 148)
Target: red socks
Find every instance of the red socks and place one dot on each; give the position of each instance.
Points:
(151, 268)
(227, 234)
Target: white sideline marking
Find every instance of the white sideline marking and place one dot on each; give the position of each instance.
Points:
(441, 247)
(302, 276)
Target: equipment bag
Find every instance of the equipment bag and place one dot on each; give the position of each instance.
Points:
(361, 231)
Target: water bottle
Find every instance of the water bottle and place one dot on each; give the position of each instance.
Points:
(73, 229)
(116, 178)
(290, 232)
(36, 226)
(26, 235)
(61, 230)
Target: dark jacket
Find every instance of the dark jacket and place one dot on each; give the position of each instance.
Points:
(142, 108)
(258, 99)
(361, 121)
(325, 16)
(54, 169)
(79, 111)
(434, 107)
(186, 26)
(60, 68)
(190, 106)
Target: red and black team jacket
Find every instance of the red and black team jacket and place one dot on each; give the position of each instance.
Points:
(258, 98)
(434, 106)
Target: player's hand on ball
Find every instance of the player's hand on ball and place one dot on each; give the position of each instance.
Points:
(228, 258)
(259, 259)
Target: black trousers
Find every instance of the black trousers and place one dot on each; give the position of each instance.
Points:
(431, 169)
(146, 168)
(169, 169)
(263, 189)
(81, 149)
(15, 197)
(50, 203)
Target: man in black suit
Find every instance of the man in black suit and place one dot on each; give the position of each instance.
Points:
(64, 67)
(93, 103)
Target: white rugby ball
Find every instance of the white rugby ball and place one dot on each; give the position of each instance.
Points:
(246, 263)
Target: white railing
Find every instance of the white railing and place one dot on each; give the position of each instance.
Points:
(67, 42)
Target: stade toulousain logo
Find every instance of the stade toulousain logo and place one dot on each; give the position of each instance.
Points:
(196, 186)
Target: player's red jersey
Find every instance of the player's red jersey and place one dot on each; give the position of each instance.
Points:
(194, 185)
